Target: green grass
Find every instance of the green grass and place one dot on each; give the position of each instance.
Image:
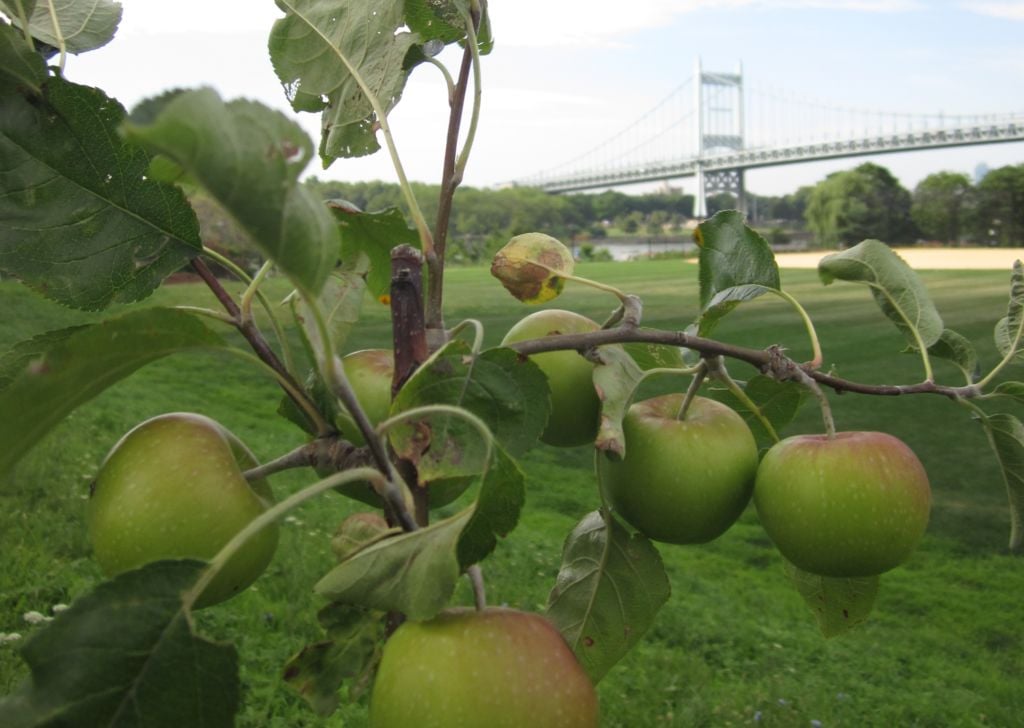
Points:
(734, 646)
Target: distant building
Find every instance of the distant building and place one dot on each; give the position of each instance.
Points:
(979, 172)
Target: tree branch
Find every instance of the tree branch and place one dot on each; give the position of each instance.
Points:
(771, 361)
(449, 183)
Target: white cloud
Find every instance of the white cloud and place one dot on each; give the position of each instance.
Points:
(1005, 10)
(196, 16)
(604, 23)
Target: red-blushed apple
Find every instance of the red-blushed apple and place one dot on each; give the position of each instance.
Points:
(494, 668)
(369, 372)
(682, 481)
(172, 488)
(575, 407)
(853, 505)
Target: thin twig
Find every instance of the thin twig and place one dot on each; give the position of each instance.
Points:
(262, 349)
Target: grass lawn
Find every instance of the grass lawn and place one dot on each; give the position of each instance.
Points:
(735, 645)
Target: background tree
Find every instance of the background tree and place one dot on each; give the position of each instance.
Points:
(719, 202)
(865, 202)
(940, 205)
(999, 214)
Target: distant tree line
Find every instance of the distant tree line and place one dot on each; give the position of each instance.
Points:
(484, 219)
(844, 208)
(945, 207)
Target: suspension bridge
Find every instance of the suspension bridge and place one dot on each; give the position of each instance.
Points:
(714, 128)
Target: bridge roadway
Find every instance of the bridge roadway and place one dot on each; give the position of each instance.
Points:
(1007, 130)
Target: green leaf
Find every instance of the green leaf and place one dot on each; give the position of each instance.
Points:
(20, 65)
(616, 376)
(82, 222)
(778, 402)
(736, 265)
(222, 144)
(838, 604)
(17, 8)
(1006, 436)
(126, 655)
(24, 355)
(895, 286)
(83, 362)
(1009, 333)
(444, 21)
(500, 387)
(433, 20)
(345, 660)
(373, 234)
(955, 348)
(337, 53)
(497, 509)
(414, 573)
(1014, 390)
(609, 589)
(83, 25)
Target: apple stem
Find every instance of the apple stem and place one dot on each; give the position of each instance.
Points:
(826, 407)
(719, 372)
(476, 579)
(629, 314)
(691, 392)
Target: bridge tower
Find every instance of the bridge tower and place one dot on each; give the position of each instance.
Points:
(719, 107)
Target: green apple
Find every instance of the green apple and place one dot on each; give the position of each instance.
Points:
(173, 488)
(684, 480)
(575, 407)
(853, 505)
(369, 372)
(494, 668)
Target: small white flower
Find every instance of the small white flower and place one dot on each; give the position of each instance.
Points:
(35, 617)
(58, 608)
(12, 637)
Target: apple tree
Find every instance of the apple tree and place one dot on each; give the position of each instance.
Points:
(96, 210)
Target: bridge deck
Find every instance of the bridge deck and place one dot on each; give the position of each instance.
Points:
(1004, 131)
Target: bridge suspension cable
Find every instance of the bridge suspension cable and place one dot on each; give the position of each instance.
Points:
(716, 124)
(601, 149)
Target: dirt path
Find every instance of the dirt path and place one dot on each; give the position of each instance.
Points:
(926, 258)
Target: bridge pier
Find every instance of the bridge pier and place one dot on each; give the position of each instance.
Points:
(713, 182)
(718, 99)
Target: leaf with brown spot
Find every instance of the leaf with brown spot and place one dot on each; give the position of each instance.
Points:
(838, 604)
(609, 589)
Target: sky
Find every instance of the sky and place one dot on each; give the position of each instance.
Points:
(565, 75)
